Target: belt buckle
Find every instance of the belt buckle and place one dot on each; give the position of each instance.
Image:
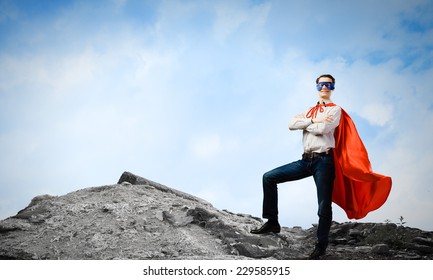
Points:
(308, 155)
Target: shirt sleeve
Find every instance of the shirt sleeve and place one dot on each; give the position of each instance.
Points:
(299, 122)
(323, 128)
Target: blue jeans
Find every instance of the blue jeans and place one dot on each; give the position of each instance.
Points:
(323, 171)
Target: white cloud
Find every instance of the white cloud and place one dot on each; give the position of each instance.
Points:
(119, 4)
(377, 114)
(232, 16)
(229, 18)
(206, 147)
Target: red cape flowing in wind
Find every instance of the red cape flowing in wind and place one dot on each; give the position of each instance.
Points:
(357, 189)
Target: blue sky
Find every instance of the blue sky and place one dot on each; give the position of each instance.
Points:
(197, 95)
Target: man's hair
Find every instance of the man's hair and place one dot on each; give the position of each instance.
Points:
(326, 76)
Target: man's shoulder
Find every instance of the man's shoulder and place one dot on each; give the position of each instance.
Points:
(334, 107)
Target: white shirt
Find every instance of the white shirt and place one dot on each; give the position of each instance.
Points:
(317, 137)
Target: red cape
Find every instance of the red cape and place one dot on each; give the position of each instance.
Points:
(357, 189)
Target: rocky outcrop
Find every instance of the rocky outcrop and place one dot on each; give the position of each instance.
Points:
(141, 219)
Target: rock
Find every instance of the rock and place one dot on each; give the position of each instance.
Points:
(354, 233)
(132, 179)
(424, 249)
(381, 249)
(423, 241)
(141, 219)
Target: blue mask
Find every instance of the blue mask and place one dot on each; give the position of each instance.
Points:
(328, 85)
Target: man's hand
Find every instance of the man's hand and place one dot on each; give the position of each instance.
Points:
(326, 119)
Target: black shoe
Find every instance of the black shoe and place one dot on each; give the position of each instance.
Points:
(317, 253)
(267, 227)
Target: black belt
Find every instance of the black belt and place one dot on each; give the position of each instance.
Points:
(316, 155)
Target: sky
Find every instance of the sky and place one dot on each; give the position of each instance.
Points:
(197, 95)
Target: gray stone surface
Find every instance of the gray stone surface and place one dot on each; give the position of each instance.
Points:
(141, 219)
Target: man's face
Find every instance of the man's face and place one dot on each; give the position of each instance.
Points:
(324, 92)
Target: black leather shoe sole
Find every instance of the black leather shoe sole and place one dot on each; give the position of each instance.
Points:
(266, 228)
(317, 254)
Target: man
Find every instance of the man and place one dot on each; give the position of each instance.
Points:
(318, 125)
